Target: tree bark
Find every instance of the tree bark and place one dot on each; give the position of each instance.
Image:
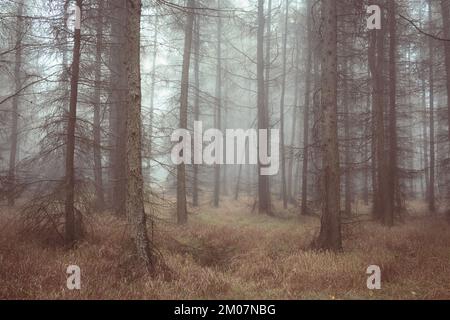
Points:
(388, 218)
(283, 93)
(308, 62)
(181, 170)
(264, 203)
(135, 185)
(267, 65)
(377, 70)
(445, 7)
(347, 152)
(152, 93)
(291, 191)
(98, 174)
(196, 102)
(431, 194)
(218, 110)
(70, 221)
(330, 230)
(118, 101)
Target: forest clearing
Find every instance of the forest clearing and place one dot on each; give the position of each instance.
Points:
(231, 253)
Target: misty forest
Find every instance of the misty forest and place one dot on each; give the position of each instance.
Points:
(92, 94)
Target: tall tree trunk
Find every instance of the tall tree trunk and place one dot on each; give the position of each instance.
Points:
(224, 118)
(372, 67)
(431, 199)
(291, 191)
(268, 48)
(118, 100)
(218, 110)
(14, 138)
(392, 176)
(152, 92)
(366, 152)
(181, 170)
(445, 7)
(377, 71)
(98, 174)
(283, 93)
(347, 152)
(304, 205)
(425, 136)
(263, 114)
(196, 102)
(135, 184)
(330, 230)
(70, 221)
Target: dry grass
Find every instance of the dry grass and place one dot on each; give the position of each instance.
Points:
(230, 253)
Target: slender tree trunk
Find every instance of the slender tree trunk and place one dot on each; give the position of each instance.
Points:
(314, 148)
(304, 205)
(445, 7)
(347, 152)
(181, 170)
(70, 221)
(152, 92)
(224, 117)
(14, 138)
(431, 196)
(263, 114)
(135, 183)
(291, 191)
(283, 93)
(372, 65)
(392, 176)
(218, 113)
(366, 153)
(330, 230)
(118, 100)
(196, 101)
(268, 48)
(425, 137)
(98, 174)
(377, 71)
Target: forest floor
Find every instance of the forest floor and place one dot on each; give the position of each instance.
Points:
(232, 253)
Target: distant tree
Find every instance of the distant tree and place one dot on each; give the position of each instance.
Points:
(263, 114)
